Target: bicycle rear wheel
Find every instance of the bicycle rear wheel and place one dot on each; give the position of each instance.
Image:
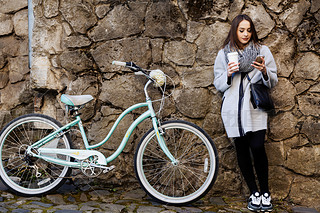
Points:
(191, 178)
(26, 175)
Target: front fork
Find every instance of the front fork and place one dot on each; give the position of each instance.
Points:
(157, 126)
(159, 134)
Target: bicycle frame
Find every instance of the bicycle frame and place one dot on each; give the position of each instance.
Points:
(82, 154)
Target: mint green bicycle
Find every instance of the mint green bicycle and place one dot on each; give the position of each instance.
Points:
(176, 162)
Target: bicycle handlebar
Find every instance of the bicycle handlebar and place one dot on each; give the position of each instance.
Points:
(129, 65)
(155, 75)
(119, 63)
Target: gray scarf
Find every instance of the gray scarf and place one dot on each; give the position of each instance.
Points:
(246, 56)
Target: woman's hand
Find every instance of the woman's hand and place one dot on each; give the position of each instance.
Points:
(261, 67)
(232, 68)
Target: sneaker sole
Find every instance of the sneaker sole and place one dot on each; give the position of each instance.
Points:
(252, 209)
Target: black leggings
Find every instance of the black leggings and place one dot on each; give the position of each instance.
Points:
(253, 141)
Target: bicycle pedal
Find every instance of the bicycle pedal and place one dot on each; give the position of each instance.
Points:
(108, 169)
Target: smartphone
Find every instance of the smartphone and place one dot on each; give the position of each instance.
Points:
(259, 59)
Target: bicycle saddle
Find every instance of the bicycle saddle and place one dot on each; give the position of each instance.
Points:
(76, 100)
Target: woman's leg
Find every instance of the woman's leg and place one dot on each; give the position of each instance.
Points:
(245, 163)
(260, 158)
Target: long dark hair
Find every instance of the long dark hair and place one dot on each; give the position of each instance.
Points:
(232, 35)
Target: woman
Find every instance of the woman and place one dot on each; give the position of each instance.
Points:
(245, 124)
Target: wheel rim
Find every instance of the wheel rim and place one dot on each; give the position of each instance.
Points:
(194, 172)
(25, 174)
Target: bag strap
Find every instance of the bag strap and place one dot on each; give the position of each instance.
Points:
(248, 78)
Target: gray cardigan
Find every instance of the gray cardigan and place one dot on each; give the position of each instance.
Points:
(240, 117)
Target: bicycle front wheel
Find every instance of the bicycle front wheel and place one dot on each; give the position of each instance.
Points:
(26, 175)
(188, 180)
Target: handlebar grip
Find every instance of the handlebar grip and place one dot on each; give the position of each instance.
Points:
(119, 63)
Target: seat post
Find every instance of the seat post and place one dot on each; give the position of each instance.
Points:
(74, 111)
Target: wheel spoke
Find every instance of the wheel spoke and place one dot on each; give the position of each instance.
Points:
(26, 174)
(189, 178)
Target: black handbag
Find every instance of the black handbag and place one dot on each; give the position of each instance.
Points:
(260, 96)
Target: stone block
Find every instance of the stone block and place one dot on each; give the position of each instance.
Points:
(283, 95)
(295, 142)
(102, 10)
(122, 91)
(315, 88)
(42, 75)
(164, 19)
(228, 182)
(76, 41)
(283, 126)
(188, 100)
(193, 30)
(309, 104)
(9, 6)
(280, 181)
(5, 117)
(56, 199)
(300, 209)
(276, 153)
(4, 78)
(14, 94)
(79, 14)
(311, 128)
(12, 46)
(157, 49)
(47, 36)
(115, 24)
(301, 87)
(51, 8)
(3, 60)
(307, 66)
(130, 49)
(75, 61)
(20, 22)
(294, 14)
(213, 124)
(283, 49)
(308, 34)
(261, 19)
(49, 107)
(6, 25)
(180, 53)
(18, 66)
(305, 191)
(228, 159)
(275, 5)
(305, 161)
(197, 76)
(202, 9)
(214, 35)
(39, 71)
(315, 6)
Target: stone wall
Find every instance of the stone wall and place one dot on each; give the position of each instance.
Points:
(14, 71)
(75, 41)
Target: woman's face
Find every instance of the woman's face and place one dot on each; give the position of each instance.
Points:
(244, 32)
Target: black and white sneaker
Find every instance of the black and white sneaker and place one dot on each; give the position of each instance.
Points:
(254, 203)
(266, 205)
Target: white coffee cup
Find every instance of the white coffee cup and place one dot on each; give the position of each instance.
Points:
(233, 57)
